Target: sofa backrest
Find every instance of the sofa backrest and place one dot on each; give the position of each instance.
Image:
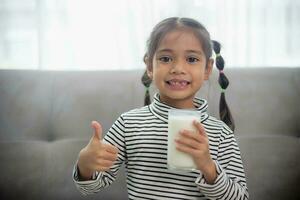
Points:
(263, 101)
(51, 105)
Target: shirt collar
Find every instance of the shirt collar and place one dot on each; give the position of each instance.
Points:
(161, 110)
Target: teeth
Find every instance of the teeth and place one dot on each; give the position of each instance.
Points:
(178, 83)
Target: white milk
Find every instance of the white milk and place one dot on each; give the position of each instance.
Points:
(180, 120)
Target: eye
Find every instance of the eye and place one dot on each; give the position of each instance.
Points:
(192, 60)
(165, 59)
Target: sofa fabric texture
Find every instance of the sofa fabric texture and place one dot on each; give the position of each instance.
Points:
(45, 120)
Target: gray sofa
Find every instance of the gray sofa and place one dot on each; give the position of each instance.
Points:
(45, 120)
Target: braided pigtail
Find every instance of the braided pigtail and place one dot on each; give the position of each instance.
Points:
(146, 82)
(225, 114)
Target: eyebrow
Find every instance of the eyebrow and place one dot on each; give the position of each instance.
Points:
(189, 51)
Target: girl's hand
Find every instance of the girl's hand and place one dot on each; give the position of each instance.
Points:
(197, 145)
(97, 155)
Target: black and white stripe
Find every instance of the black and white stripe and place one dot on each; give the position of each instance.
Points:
(141, 136)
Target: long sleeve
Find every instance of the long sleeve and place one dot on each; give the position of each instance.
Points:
(115, 136)
(230, 183)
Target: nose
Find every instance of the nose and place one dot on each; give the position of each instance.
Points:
(178, 67)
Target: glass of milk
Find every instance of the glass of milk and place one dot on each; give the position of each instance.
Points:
(179, 120)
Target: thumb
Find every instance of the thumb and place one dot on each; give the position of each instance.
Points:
(97, 130)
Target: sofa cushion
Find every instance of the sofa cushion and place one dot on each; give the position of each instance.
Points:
(60, 163)
(43, 170)
(272, 166)
(23, 169)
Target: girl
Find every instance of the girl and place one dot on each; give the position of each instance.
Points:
(178, 61)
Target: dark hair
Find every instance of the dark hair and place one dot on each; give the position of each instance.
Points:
(225, 114)
(170, 24)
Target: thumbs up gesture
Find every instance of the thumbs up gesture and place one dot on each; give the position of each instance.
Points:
(97, 155)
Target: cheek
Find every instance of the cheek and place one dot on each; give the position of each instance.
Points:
(156, 76)
(158, 71)
(199, 76)
(198, 81)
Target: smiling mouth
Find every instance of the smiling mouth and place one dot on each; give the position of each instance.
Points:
(178, 83)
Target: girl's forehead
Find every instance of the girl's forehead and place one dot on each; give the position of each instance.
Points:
(180, 39)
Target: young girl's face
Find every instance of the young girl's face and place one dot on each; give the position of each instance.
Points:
(179, 68)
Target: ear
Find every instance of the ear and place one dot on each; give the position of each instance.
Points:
(149, 68)
(208, 69)
(150, 72)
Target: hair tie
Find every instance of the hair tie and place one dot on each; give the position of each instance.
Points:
(218, 55)
(222, 90)
(147, 88)
(221, 71)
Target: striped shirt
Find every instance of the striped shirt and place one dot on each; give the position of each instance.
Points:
(141, 137)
